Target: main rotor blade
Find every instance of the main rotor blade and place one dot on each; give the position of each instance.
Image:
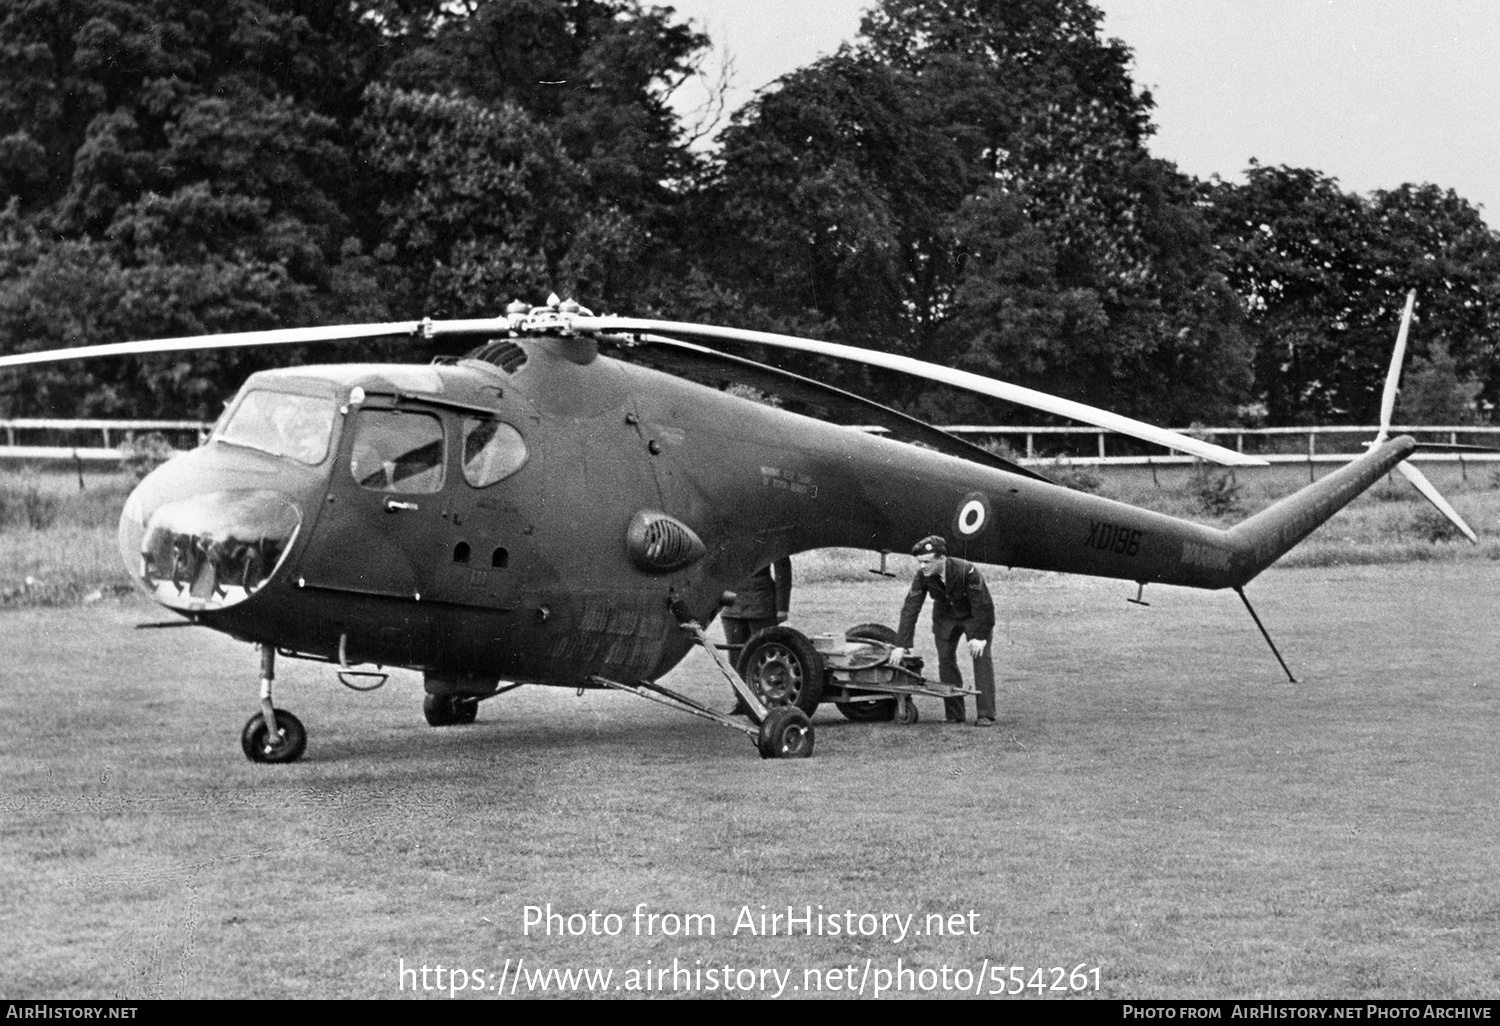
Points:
(686, 358)
(1432, 495)
(933, 372)
(269, 337)
(1393, 376)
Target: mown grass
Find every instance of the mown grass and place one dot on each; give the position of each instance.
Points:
(1156, 801)
(58, 539)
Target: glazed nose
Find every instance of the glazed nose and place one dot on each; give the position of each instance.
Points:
(206, 551)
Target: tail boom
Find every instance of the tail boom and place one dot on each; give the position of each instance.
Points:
(1271, 533)
(1058, 530)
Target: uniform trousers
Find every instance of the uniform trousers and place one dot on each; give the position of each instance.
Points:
(946, 634)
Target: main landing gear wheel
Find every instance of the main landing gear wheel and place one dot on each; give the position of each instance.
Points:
(787, 733)
(287, 746)
(449, 710)
(782, 667)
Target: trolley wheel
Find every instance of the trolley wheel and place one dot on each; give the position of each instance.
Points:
(906, 711)
(787, 733)
(783, 668)
(288, 745)
(881, 711)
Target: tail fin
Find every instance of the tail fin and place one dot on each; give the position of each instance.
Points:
(1268, 535)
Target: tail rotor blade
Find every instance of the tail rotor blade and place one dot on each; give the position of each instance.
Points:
(1432, 495)
(1393, 376)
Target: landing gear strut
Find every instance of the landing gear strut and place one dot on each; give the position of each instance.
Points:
(779, 732)
(288, 740)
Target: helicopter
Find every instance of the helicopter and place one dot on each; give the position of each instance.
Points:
(565, 505)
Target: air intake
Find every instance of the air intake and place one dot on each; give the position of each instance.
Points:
(503, 353)
(659, 544)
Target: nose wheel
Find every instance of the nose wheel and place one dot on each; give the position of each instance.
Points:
(260, 742)
(286, 745)
(786, 733)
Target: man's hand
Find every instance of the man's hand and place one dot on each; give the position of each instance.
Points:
(976, 647)
(897, 654)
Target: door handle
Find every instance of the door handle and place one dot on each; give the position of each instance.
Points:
(393, 505)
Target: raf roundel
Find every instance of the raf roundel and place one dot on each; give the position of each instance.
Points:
(973, 513)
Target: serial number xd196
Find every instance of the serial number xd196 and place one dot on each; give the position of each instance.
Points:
(1123, 541)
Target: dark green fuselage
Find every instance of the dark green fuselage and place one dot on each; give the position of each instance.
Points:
(533, 577)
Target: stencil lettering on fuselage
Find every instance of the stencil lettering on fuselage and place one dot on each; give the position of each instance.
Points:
(788, 481)
(1207, 556)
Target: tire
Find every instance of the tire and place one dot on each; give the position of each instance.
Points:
(786, 734)
(880, 711)
(783, 668)
(255, 740)
(906, 712)
(884, 710)
(449, 710)
(871, 632)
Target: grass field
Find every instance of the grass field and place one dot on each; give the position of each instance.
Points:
(1157, 802)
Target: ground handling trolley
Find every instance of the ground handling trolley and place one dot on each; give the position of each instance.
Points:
(783, 666)
(780, 677)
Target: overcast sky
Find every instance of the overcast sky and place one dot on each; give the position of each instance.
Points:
(1372, 92)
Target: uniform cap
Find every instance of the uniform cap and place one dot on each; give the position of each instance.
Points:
(933, 545)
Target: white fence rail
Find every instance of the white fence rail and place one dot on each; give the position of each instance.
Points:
(93, 442)
(99, 442)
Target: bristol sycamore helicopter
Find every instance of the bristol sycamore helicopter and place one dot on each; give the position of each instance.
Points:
(562, 506)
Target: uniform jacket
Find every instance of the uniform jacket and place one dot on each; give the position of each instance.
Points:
(763, 594)
(958, 595)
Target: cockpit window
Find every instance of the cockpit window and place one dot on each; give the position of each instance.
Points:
(397, 452)
(282, 424)
(493, 450)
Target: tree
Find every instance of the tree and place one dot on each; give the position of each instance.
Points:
(969, 184)
(1325, 274)
(838, 191)
(476, 204)
(196, 181)
(597, 75)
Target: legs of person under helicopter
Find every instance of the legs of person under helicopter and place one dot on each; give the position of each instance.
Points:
(737, 631)
(288, 740)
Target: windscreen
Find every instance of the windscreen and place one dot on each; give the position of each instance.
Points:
(297, 427)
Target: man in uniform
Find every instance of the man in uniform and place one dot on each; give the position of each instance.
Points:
(961, 605)
(763, 600)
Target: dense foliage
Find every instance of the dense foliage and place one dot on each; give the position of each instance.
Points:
(968, 182)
